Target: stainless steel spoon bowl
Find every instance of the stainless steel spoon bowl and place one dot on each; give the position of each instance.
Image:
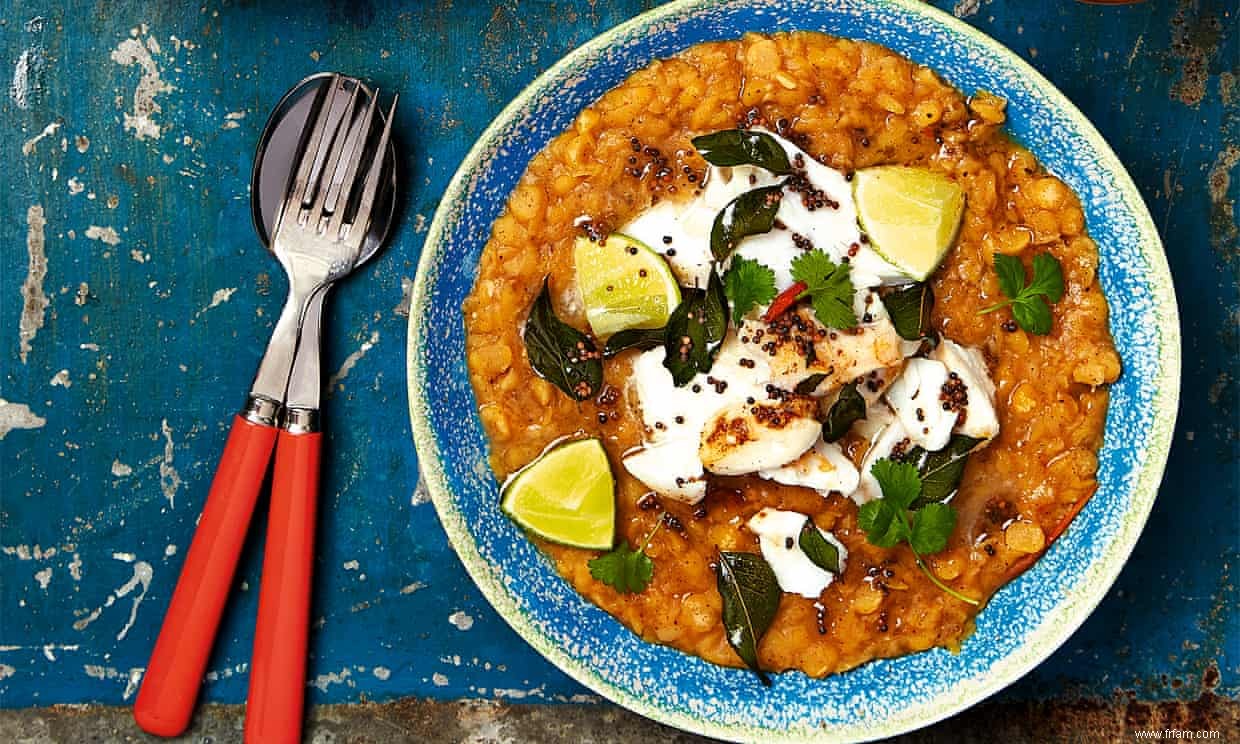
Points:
(276, 156)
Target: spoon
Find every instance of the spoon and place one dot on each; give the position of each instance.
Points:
(166, 699)
(305, 240)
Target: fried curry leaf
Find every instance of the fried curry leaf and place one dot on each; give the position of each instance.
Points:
(561, 354)
(751, 213)
(942, 470)
(695, 330)
(628, 571)
(821, 552)
(634, 338)
(844, 412)
(751, 596)
(743, 147)
(909, 309)
(809, 384)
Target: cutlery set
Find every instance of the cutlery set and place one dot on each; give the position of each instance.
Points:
(336, 179)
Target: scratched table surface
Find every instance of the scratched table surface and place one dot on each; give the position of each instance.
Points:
(135, 302)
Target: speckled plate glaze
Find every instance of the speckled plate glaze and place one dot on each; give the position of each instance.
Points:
(1024, 623)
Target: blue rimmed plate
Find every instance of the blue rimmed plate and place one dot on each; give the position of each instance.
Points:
(1024, 623)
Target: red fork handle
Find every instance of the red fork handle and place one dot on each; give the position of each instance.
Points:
(278, 666)
(169, 689)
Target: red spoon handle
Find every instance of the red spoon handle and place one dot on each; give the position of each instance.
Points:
(278, 667)
(165, 701)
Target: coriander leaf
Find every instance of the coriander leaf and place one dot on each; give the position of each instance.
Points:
(748, 284)
(559, 353)
(634, 338)
(627, 571)
(1011, 274)
(695, 330)
(743, 147)
(751, 213)
(899, 481)
(820, 551)
(1047, 277)
(882, 523)
(1033, 315)
(909, 309)
(932, 525)
(829, 287)
(888, 522)
(844, 412)
(751, 597)
(1029, 302)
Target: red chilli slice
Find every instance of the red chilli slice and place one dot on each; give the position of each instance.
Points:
(784, 301)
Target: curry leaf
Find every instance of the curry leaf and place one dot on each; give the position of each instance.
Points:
(821, 551)
(844, 412)
(941, 470)
(634, 338)
(751, 213)
(561, 354)
(810, 384)
(695, 330)
(751, 596)
(743, 147)
(909, 309)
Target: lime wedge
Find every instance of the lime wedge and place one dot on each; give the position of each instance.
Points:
(911, 215)
(624, 284)
(567, 496)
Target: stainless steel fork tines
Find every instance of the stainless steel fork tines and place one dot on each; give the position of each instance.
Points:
(314, 239)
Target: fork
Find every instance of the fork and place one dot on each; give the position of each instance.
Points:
(316, 243)
(314, 228)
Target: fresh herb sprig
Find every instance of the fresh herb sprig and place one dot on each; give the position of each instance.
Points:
(889, 521)
(626, 570)
(1029, 300)
(748, 284)
(828, 286)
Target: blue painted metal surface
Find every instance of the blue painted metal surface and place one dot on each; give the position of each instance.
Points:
(179, 303)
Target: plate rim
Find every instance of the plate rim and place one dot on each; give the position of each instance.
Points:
(1032, 651)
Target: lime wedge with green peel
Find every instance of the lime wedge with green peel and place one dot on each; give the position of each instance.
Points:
(911, 215)
(567, 496)
(624, 284)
